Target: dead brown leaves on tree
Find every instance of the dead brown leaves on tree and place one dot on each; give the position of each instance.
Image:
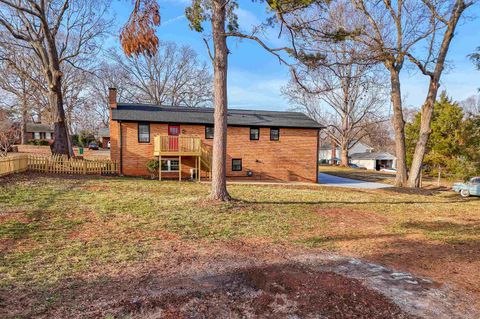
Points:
(138, 35)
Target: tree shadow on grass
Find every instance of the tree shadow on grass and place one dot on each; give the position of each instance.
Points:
(444, 228)
(407, 202)
(30, 222)
(328, 240)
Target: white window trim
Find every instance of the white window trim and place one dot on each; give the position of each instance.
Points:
(169, 164)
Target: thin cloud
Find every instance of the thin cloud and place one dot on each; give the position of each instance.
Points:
(173, 20)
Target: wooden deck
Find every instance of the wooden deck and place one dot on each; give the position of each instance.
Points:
(182, 146)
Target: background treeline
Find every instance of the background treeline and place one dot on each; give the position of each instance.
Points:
(173, 76)
(453, 149)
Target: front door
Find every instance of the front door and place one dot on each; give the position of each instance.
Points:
(173, 133)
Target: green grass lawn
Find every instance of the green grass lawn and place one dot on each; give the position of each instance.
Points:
(53, 228)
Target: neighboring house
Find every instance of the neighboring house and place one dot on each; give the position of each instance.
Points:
(374, 161)
(104, 136)
(39, 131)
(329, 154)
(261, 145)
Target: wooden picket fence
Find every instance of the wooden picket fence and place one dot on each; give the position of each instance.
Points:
(57, 164)
(13, 164)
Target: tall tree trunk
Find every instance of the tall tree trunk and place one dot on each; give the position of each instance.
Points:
(344, 159)
(220, 61)
(399, 127)
(345, 130)
(427, 109)
(24, 120)
(61, 144)
(420, 147)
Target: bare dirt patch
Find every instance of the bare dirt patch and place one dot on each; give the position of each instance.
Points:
(278, 291)
(240, 280)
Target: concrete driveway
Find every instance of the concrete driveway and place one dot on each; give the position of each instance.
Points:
(331, 180)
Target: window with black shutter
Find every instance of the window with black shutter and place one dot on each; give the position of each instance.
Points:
(254, 133)
(274, 134)
(143, 133)
(237, 164)
(209, 132)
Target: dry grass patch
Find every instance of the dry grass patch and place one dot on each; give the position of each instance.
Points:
(53, 229)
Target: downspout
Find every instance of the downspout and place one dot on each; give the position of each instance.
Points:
(318, 151)
(120, 146)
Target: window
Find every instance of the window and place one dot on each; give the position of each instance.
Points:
(237, 164)
(170, 165)
(209, 132)
(254, 133)
(274, 134)
(36, 135)
(48, 136)
(143, 133)
(173, 130)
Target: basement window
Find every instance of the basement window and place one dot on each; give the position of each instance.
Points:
(236, 164)
(170, 165)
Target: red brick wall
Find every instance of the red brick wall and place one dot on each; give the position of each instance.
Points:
(292, 158)
(105, 141)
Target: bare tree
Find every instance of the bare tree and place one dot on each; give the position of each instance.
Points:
(55, 31)
(347, 98)
(388, 32)
(223, 24)
(9, 132)
(18, 87)
(471, 105)
(380, 137)
(445, 18)
(392, 33)
(105, 76)
(172, 76)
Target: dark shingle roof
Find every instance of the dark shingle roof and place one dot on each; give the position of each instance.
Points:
(38, 127)
(162, 114)
(372, 155)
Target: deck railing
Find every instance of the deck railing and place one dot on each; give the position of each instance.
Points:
(177, 145)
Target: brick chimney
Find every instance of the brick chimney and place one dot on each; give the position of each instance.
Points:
(112, 98)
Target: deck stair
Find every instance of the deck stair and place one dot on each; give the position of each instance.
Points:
(184, 145)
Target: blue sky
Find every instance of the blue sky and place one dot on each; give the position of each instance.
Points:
(255, 77)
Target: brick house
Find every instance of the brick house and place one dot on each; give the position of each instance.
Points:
(39, 131)
(261, 145)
